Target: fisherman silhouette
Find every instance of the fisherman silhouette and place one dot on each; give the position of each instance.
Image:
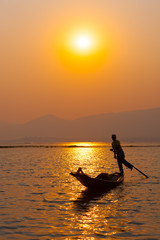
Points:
(119, 154)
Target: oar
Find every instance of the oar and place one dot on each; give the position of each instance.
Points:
(137, 169)
(140, 171)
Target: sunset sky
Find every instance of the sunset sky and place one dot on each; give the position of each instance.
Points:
(77, 58)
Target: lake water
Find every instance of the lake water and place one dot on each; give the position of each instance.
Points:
(39, 199)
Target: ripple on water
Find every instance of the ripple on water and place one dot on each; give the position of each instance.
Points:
(40, 200)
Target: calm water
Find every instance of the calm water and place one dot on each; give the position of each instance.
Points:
(39, 199)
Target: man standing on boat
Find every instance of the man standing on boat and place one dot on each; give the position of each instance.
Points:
(119, 154)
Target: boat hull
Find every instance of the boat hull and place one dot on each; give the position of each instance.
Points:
(103, 181)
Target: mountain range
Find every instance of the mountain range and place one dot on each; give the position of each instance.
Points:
(140, 125)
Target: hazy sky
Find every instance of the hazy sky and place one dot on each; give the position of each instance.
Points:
(40, 75)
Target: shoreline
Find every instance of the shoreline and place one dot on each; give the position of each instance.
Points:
(68, 145)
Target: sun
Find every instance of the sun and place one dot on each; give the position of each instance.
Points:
(81, 48)
(83, 43)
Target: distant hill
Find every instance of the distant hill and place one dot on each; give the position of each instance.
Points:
(141, 125)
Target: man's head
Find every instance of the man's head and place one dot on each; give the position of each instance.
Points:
(113, 137)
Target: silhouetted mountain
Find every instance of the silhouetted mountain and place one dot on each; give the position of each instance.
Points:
(141, 125)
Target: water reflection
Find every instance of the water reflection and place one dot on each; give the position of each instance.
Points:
(98, 214)
(84, 214)
(82, 203)
(86, 144)
(95, 214)
(91, 159)
(40, 200)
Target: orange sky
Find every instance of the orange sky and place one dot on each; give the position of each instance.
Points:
(40, 75)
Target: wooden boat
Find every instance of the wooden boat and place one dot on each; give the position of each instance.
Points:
(103, 181)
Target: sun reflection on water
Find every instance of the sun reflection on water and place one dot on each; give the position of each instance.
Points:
(92, 216)
(87, 212)
(40, 199)
(86, 144)
(94, 158)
